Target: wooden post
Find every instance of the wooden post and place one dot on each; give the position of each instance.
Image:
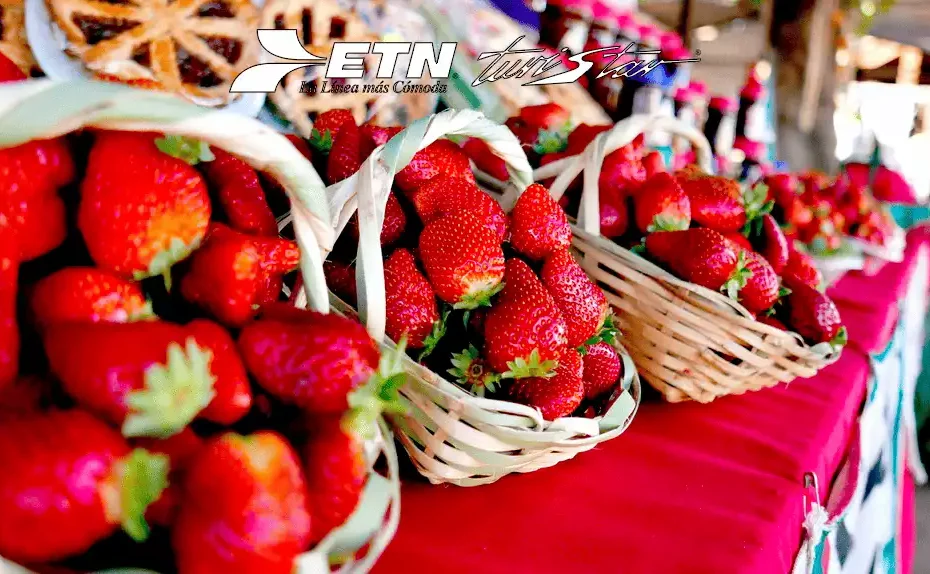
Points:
(819, 62)
(684, 22)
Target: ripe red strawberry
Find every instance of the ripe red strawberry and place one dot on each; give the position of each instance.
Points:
(9, 72)
(614, 215)
(653, 163)
(472, 371)
(547, 117)
(463, 259)
(395, 222)
(538, 226)
(244, 507)
(441, 157)
(181, 450)
(761, 289)
(701, 256)
(444, 196)
(582, 135)
(150, 377)
(308, 359)
(301, 144)
(9, 329)
(232, 397)
(340, 278)
(715, 203)
(772, 243)
(39, 222)
(772, 322)
(661, 205)
(25, 396)
(345, 156)
(602, 368)
(690, 171)
(240, 192)
(485, 160)
(556, 396)
(88, 294)
(813, 315)
(142, 210)
(524, 332)
(783, 188)
(801, 270)
(336, 469)
(622, 173)
(583, 305)
(410, 302)
(374, 136)
(326, 127)
(228, 275)
(69, 481)
(738, 240)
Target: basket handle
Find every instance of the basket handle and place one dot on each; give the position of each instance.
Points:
(367, 192)
(592, 159)
(41, 109)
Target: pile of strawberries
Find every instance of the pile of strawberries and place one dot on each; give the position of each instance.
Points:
(495, 300)
(820, 211)
(150, 376)
(705, 229)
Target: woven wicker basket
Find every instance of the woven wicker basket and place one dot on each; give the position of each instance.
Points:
(687, 341)
(41, 109)
(452, 435)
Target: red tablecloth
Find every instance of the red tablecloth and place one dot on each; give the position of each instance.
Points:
(689, 488)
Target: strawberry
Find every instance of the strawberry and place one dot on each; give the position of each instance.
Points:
(715, 203)
(24, 396)
(602, 368)
(9, 72)
(150, 377)
(410, 303)
(336, 469)
(301, 144)
(240, 193)
(761, 289)
(783, 188)
(583, 305)
(444, 196)
(232, 392)
(771, 322)
(545, 117)
(772, 243)
(524, 331)
(340, 278)
(556, 396)
(813, 315)
(485, 159)
(327, 126)
(622, 173)
(701, 256)
(228, 275)
(653, 163)
(88, 294)
(142, 210)
(614, 215)
(243, 509)
(441, 157)
(9, 330)
(538, 225)
(181, 450)
(801, 270)
(689, 172)
(661, 205)
(308, 359)
(473, 372)
(395, 222)
(582, 135)
(463, 259)
(738, 240)
(69, 481)
(40, 224)
(374, 136)
(345, 156)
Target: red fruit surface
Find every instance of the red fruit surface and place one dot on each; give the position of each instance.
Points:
(24, 396)
(395, 222)
(9, 72)
(181, 449)
(308, 359)
(441, 157)
(653, 163)
(582, 135)
(409, 300)
(772, 244)
(556, 396)
(614, 214)
(251, 489)
(772, 322)
(444, 196)
(40, 224)
(88, 294)
(761, 289)
(739, 241)
(331, 121)
(463, 259)
(715, 203)
(801, 270)
(583, 305)
(485, 159)
(813, 315)
(549, 117)
(661, 205)
(602, 368)
(9, 329)
(340, 278)
(701, 256)
(345, 156)
(233, 393)
(374, 136)
(240, 193)
(622, 172)
(538, 226)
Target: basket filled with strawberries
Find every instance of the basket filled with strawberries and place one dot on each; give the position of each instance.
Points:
(512, 362)
(712, 300)
(156, 386)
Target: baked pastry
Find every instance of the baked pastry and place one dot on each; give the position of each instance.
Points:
(319, 23)
(195, 48)
(13, 42)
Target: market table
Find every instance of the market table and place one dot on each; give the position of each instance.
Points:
(719, 488)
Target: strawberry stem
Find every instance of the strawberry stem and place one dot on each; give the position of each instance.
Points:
(379, 395)
(189, 150)
(431, 340)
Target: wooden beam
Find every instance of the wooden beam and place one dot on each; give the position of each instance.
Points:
(819, 61)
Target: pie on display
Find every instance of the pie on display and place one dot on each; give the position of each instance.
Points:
(13, 42)
(319, 23)
(195, 48)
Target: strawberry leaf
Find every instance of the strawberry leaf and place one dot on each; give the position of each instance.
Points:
(532, 366)
(322, 143)
(479, 299)
(142, 478)
(431, 340)
(381, 394)
(840, 339)
(638, 249)
(471, 372)
(550, 142)
(738, 279)
(187, 149)
(667, 223)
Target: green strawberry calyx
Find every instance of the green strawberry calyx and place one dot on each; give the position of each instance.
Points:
(173, 395)
(436, 335)
(840, 339)
(550, 141)
(189, 150)
(162, 262)
(381, 394)
(607, 333)
(532, 366)
(481, 298)
(756, 205)
(667, 223)
(470, 371)
(738, 278)
(140, 477)
(143, 313)
(321, 142)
